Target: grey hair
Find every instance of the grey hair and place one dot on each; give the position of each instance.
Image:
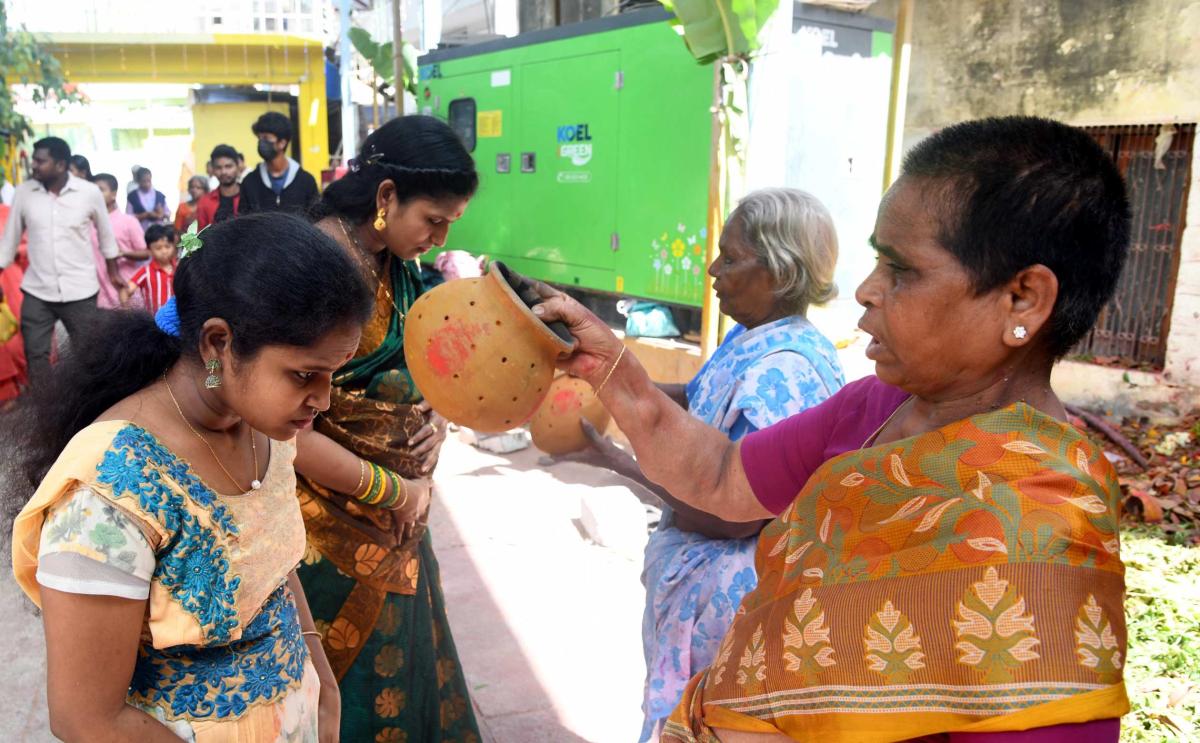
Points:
(793, 235)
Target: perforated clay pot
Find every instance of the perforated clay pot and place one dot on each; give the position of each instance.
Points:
(478, 354)
(555, 425)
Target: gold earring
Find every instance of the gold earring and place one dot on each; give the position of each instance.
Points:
(380, 222)
(212, 381)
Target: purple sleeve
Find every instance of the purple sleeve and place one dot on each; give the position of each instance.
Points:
(779, 459)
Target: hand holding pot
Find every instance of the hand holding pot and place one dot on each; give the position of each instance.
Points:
(478, 354)
(597, 347)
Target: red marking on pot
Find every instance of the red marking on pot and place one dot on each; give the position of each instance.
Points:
(449, 348)
(564, 401)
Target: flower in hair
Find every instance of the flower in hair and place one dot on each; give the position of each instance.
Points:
(190, 242)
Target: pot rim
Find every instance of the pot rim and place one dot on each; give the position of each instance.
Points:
(540, 327)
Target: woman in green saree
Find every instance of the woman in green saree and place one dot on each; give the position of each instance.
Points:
(370, 568)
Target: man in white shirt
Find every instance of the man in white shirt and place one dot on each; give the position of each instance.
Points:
(57, 210)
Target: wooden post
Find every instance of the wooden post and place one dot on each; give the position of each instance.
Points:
(710, 313)
(398, 57)
(901, 54)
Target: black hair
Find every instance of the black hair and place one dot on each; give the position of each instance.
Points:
(276, 280)
(420, 154)
(273, 122)
(107, 179)
(223, 150)
(81, 163)
(57, 148)
(159, 231)
(1017, 191)
(142, 172)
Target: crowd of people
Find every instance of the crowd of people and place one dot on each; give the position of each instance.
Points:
(229, 539)
(139, 274)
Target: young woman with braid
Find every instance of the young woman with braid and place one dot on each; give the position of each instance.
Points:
(162, 540)
(370, 569)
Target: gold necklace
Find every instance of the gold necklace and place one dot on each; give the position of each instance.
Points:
(360, 254)
(255, 484)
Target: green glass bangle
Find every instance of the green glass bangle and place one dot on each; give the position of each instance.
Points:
(378, 486)
(396, 487)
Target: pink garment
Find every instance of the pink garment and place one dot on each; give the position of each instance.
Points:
(1096, 731)
(129, 236)
(779, 460)
(459, 264)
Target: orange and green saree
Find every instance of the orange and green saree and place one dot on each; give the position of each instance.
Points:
(967, 579)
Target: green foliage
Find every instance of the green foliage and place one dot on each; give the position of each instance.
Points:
(720, 28)
(23, 61)
(1162, 609)
(380, 57)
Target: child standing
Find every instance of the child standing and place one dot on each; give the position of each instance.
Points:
(156, 279)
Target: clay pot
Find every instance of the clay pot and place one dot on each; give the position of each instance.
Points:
(478, 354)
(555, 425)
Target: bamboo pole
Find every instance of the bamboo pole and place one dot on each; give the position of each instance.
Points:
(710, 320)
(901, 54)
(398, 57)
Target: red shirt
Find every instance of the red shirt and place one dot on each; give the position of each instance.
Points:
(156, 284)
(206, 207)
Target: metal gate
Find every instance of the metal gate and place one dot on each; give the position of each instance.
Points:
(1155, 161)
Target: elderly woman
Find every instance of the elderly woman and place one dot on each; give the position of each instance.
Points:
(777, 256)
(945, 561)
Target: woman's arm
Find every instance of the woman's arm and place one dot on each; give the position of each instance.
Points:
(323, 460)
(677, 392)
(329, 708)
(700, 467)
(687, 518)
(91, 648)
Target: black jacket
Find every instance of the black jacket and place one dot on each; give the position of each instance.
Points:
(299, 190)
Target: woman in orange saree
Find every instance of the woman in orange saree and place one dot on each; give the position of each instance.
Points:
(957, 574)
(926, 585)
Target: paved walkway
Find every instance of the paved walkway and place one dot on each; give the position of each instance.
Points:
(547, 624)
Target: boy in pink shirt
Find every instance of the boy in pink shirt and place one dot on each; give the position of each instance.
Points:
(128, 233)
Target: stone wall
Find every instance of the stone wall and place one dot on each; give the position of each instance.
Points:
(1086, 62)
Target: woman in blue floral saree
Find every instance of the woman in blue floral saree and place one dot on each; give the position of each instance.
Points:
(777, 256)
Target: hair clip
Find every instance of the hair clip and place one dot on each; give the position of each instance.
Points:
(190, 242)
(358, 163)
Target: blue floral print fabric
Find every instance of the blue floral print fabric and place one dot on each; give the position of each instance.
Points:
(694, 584)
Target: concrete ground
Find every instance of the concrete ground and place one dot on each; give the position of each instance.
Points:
(547, 623)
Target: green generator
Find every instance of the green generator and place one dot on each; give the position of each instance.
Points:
(593, 144)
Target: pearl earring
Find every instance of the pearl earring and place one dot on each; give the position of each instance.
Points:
(1020, 332)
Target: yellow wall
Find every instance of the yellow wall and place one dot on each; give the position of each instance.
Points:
(228, 123)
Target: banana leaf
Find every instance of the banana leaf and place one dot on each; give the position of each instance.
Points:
(380, 58)
(718, 28)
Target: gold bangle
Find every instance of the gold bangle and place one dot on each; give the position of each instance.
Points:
(312, 632)
(612, 368)
(404, 486)
(370, 485)
(362, 477)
